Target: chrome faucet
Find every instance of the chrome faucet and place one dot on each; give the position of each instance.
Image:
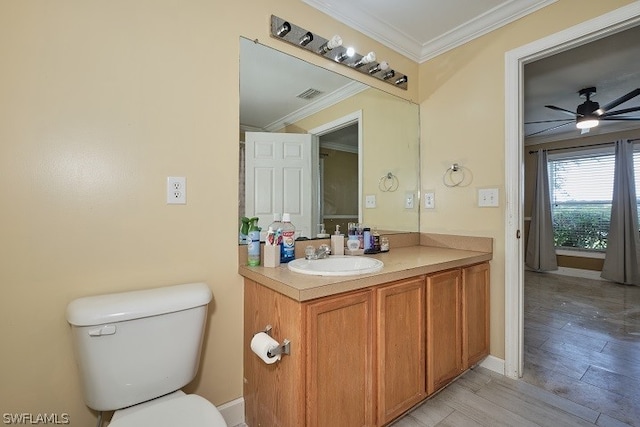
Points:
(323, 251)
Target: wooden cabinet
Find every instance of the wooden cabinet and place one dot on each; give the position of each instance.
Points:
(401, 350)
(340, 354)
(444, 323)
(475, 314)
(457, 322)
(365, 357)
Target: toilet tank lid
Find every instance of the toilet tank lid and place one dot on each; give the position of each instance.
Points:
(118, 307)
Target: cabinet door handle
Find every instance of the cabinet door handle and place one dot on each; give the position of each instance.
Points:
(517, 234)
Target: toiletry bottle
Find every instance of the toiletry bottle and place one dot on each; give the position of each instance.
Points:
(366, 239)
(253, 243)
(337, 242)
(276, 222)
(288, 248)
(376, 240)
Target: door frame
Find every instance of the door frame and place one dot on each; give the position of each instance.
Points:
(337, 124)
(599, 27)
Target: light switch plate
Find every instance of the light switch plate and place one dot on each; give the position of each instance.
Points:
(370, 201)
(488, 198)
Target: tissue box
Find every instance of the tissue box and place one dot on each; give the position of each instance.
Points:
(271, 255)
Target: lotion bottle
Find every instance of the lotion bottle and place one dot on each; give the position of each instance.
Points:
(337, 242)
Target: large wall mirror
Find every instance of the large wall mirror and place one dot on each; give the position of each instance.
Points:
(325, 148)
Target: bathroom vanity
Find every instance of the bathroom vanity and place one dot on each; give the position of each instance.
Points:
(366, 349)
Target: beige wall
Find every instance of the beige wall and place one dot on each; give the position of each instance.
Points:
(467, 84)
(99, 103)
(390, 144)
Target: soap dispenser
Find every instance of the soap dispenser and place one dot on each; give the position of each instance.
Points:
(337, 242)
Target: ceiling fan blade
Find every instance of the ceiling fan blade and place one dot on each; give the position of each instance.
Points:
(549, 121)
(621, 118)
(623, 98)
(548, 129)
(623, 111)
(562, 110)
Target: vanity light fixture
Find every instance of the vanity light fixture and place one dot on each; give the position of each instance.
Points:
(306, 39)
(348, 53)
(332, 43)
(367, 59)
(333, 50)
(284, 29)
(403, 79)
(383, 66)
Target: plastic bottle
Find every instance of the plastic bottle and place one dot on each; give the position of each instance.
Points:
(366, 239)
(288, 248)
(253, 244)
(276, 224)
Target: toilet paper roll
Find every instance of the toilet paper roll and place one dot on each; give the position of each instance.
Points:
(261, 343)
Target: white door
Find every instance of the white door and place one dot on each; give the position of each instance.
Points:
(280, 174)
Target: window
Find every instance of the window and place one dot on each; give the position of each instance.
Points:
(581, 189)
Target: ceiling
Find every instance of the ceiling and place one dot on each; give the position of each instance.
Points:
(422, 29)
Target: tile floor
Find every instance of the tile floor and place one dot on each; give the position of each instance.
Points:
(582, 364)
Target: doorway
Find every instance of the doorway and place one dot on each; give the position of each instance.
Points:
(610, 23)
(342, 139)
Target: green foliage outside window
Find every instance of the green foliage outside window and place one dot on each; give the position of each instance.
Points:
(581, 225)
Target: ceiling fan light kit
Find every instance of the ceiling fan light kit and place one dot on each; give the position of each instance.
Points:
(333, 50)
(589, 113)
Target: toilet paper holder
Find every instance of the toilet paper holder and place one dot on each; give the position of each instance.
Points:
(283, 348)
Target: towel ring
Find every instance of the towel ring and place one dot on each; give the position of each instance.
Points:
(455, 176)
(388, 183)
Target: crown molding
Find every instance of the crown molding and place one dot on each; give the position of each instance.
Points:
(398, 40)
(330, 99)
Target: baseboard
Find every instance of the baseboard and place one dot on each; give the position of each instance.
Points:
(233, 412)
(494, 364)
(578, 272)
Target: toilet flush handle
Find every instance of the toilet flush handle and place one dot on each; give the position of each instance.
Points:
(103, 330)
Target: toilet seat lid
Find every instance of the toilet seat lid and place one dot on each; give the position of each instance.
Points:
(189, 410)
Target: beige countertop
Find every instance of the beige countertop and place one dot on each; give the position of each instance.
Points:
(399, 263)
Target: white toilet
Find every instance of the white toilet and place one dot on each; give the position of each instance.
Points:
(135, 350)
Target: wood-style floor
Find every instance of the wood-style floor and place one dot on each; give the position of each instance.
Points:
(582, 364)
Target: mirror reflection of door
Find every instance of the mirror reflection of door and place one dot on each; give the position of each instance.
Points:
(279, 175)
(339, 188)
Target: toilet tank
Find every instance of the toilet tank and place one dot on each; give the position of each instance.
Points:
(131, 347)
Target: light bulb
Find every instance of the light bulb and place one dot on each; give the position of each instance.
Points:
(331, 44)
(587, 123)
(368, 58)
(380, 67)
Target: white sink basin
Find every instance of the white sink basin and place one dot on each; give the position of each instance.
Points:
(336, 265)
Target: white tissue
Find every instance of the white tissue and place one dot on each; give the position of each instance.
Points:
(261, 344)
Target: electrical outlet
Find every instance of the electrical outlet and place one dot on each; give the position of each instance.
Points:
(370, 201)
(176, 190)
(430, 200)
(408, 200)
(488, 197)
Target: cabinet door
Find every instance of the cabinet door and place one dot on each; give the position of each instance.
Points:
(444, 329)
(340, 352)
(475, 314)
(401, 350)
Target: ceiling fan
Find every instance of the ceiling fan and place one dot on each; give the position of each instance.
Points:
(589, 113)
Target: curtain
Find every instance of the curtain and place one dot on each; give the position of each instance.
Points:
(622, 256)
(541, 252)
